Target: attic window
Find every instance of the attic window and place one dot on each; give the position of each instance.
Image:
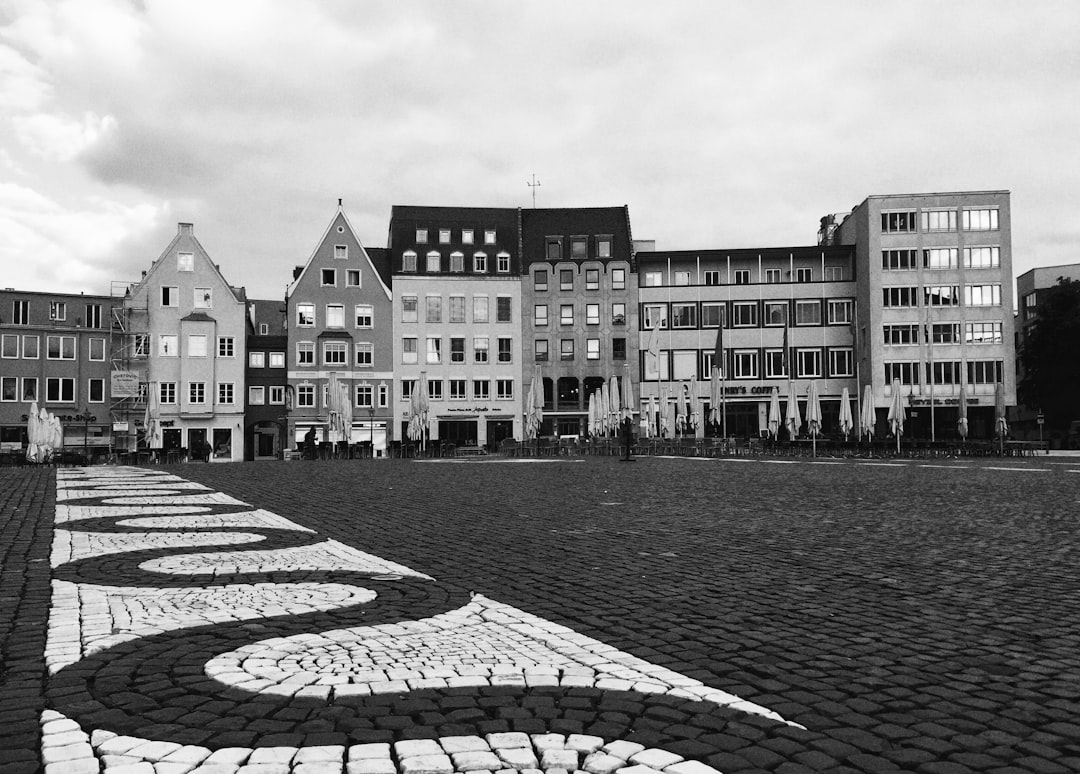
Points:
(185, 262)
(204, 298)
(341, 229)
(341, 252)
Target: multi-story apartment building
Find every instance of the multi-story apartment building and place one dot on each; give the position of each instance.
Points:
(457, 320)
(193, 325)
(579, 294)
(265, 420)
(54, 350)
(934, 304)
(778, 315)
(339, 323)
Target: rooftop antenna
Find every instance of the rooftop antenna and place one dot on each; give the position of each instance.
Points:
(533, 185)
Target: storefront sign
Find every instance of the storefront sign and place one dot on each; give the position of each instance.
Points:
(942, 401)
(124, 384)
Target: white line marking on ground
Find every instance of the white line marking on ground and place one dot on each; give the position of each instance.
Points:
(1026, 470)
(952, 467)
(885, 464)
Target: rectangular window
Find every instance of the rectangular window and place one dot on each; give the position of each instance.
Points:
(897, 222)
(744, 314)
(341, 252)
(480, 349)
(335, 353)
(30, 346)
(203, 298)
(226, 346)
(93, 315)
(277, 359)
(982, 295)
(30, 389)
(434, 261)
(363, 396)
(9, 348)
(457, 262)
(554, 249)
(408, 349)
(900, 297)
(20, 312)
(502, 262)
(57, 310)
(434, 349)
(841, 362)
(481, 389)
(365, 354)
(305, 353)
(421, 236)
(980, 220)
(808, 312)
(479, 263)
(618, 349)
(305, 315)
(712, 314)
(566, 279)
(982, 332)
(618, 314)
(566, 349)
(335, 316)
(59, 390)
(566, 314)
(834, 273)
(256, 359)
(653, 279)
(408, 261)
(185, 262)
(305, 396)
(226, 393)
(433, 309)
(945, 333)
(540, 349)
(408, 308)
(363, 315)
(618, 279)
(682, 278)
(592, 279)
(457, 349)
(944, 372)
(457, 389)
(899, 334)
(277, 395)
(196, 345)
(982, 257)
(592, 349)
(170, 295)
(808, 362)
(938, 220)
(457, 309)
(489, 236)
(328, 277)
(503, 309)
(653, 316)
(444, 236)
(603, 247)
(407, 386)
(773, 276)
(435, 389)
(898, 260)
(745, 362)
(480, 313)
(504, 389)
(352, 278)
(711, 277)
(197, 393)
(540, 314)
(505, 349)
(167, 393)
(168, 345)
(683, 316)
(841, 312)
(9, 389)
(466, 236)
(804, 274)
(940, 258)
(60, 347)
(941, 295)
(578, 248)
(774, 364)
(907, 373)
(742, 276)
(540, 279)
(984, 371)
(256, 396)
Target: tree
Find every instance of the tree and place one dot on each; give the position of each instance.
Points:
(1050, 356)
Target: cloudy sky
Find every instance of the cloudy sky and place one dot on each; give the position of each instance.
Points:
(720, 124)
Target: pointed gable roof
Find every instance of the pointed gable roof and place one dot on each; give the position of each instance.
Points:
(340, 224)
(186, 231)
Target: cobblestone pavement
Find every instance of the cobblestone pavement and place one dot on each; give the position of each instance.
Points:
(671, 615)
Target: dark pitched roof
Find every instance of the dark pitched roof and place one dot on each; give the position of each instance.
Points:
(538, 224)
(198, 317)
(380, 259)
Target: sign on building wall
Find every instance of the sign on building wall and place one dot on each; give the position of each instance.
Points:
(124, 384)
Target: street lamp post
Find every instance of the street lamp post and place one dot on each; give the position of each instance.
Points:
(86, 418)
(371, 427)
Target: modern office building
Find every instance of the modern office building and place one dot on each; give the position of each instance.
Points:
(186, 327)
(579, 295)
(54, 351)
(776, 315)
(934, 304)
(457, 320)
(265, 417)
(340, 325)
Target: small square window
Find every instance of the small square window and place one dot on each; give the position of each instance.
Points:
(489, 237)
(579, 248)
(185, 262)
(592, 279)
(466, 236)
(421, 236)
(540, 279)
(341, 252)
(444, 236)
(352, 278)
(329, 277)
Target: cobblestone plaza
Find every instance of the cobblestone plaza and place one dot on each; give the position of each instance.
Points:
(433, 616)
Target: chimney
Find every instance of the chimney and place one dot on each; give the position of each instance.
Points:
(297, 270)
(185, 228)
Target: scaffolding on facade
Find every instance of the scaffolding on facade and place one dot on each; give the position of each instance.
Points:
(129, 347)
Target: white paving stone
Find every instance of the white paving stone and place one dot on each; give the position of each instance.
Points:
(654, 758)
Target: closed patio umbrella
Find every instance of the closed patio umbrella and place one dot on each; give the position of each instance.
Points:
(1001, 422)
(423, 407)
(604, 406)
(615, 408)
(813, 414)
(774, 413)
(682, 419)
(534, 406)
(794, 420)
(33, 434)
(654, 417)
(897, 415)
(961, 412)
(628, 402)
(715, 396)
(846, 421)
(869, 416)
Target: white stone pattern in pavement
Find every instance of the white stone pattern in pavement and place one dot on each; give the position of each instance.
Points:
(483, 643)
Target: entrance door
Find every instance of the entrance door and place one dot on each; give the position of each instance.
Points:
(498, 430)
(196, 443)
(170, 438)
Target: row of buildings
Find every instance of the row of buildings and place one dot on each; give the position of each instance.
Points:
(914, 289)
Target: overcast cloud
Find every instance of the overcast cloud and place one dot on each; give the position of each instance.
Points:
(720, 124)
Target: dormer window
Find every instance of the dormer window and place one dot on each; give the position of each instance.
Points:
(489, 236)
(466, 236)
(421, 236)
(444, 236)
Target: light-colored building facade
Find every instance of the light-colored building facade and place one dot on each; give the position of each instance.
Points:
(55, 351)
(776, 315)
(189, 327)
(457, 321)
(338, 309)
(580, 322)
(935, 300)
